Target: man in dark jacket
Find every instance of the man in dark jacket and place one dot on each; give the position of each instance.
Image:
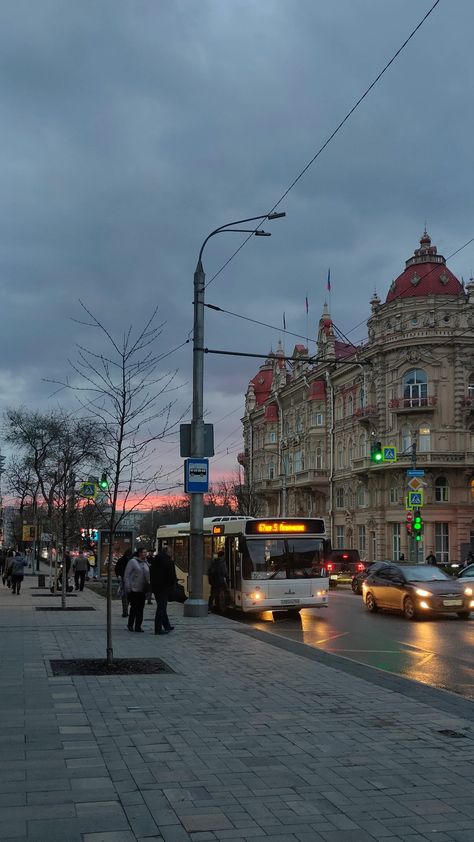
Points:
(162, 579)
(217, 575)
(120, 573)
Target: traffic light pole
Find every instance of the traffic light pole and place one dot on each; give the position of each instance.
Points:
(413, 464)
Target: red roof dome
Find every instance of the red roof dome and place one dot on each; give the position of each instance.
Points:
(425, 273)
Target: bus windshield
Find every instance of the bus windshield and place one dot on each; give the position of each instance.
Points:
(282, 558)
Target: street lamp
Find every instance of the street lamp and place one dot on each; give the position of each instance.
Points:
(196, 606)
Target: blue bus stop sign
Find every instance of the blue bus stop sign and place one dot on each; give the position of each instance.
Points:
(196, 476)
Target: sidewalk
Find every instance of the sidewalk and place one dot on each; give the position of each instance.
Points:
(248, 739)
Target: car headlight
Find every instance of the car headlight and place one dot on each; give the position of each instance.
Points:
(468, 591)
(421, 592)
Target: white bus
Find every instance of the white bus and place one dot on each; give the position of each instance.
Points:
(273, 564)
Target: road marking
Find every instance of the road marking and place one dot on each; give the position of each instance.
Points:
(334, 637)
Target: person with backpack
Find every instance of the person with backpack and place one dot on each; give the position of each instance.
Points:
(17, 572)
(120, 573)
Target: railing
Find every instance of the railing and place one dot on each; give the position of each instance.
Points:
(365, 412)
(413, 403)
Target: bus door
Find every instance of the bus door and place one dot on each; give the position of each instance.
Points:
(234, 566)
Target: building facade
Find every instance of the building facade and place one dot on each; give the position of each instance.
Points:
(310, 424)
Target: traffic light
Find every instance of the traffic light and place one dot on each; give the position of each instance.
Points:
(104, 483)
(376, 452)
(418, 525)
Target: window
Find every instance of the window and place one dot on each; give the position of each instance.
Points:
(441, 490)
(415, 388)
(339, 498)
(442, 542)
(362, 540)
(362, 445)
(340, 457)
(299, 424)
(362, 397)
(406, 438)
(317, 419)
(350, 452)
(395, 541)
(393, 495)
(298, 461)
(339, 409)
(424, 440)
(339, 537)
(319, 459)
(361, 495)
(350, 405)
(272, 437)
(271, 471)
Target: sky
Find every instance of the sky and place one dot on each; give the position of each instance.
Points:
(133, 128)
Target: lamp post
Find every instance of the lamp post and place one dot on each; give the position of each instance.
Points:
(196, 605)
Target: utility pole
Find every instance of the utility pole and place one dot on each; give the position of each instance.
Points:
(413, 464)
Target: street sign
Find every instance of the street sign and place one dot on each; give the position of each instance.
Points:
(415, 472)
(415, 499)
(88, 489)
(29, 532)
(409, 517)
(389, 454)
(415, 484)
(196, 476)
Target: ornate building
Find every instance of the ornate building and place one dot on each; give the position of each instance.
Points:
(309, 423)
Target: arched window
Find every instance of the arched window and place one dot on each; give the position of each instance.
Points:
(350, 452)
(415, 388)
(406, 438)
(350, 405)
(319, 459)
(441, 490)
(339, 409)
(424, 440)
(340, 457)
(362, 445)
(339, 498)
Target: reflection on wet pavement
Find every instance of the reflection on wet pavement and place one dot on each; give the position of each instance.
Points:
(438, 652)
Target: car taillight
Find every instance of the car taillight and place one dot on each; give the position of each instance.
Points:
(345, 556)
(330, 566)
(360, 567)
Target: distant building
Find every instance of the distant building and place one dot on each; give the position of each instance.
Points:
(309, 425)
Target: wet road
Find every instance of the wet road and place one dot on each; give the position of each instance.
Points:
(438, 652)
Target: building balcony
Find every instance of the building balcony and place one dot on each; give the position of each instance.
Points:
(262, 485)
(365, 414)
(404, 405)
(313, 476)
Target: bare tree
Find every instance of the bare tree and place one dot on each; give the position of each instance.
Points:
(54, 447)
(125, 391)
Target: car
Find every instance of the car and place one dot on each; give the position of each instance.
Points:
(417, 590)
(466, 572)
(370, 567)
(342, 565)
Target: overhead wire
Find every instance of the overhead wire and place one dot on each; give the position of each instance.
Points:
(331, 136)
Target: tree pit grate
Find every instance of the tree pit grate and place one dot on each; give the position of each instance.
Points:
(120, 666)
(68, 595)
(67, 608)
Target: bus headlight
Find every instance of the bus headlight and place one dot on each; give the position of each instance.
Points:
(255, 596)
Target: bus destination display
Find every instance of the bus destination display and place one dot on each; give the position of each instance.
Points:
(312, 526)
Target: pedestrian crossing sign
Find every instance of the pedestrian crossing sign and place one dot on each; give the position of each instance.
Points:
(415, 499)
(89, 490)
(389, 454)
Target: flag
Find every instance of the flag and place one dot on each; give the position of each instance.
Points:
(329, 280)
(307, 305)
(284, 322)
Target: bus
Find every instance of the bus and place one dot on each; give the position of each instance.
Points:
(273, 564)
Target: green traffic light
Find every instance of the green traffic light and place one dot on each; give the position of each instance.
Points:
(103, 484)
(378, 457)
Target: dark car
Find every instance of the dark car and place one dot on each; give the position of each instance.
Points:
(370, 567)
(417, 590)
(342, 565)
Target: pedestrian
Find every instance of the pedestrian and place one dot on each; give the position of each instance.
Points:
(92, 559)
(137, 581)
(162, 579)
(120, 573)
(80, 567)
(431, 558)
(17, 571)
(469, 559)
(149, 557)
(217, 575)
(3, 559)
(7, 573)
(401, 557)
